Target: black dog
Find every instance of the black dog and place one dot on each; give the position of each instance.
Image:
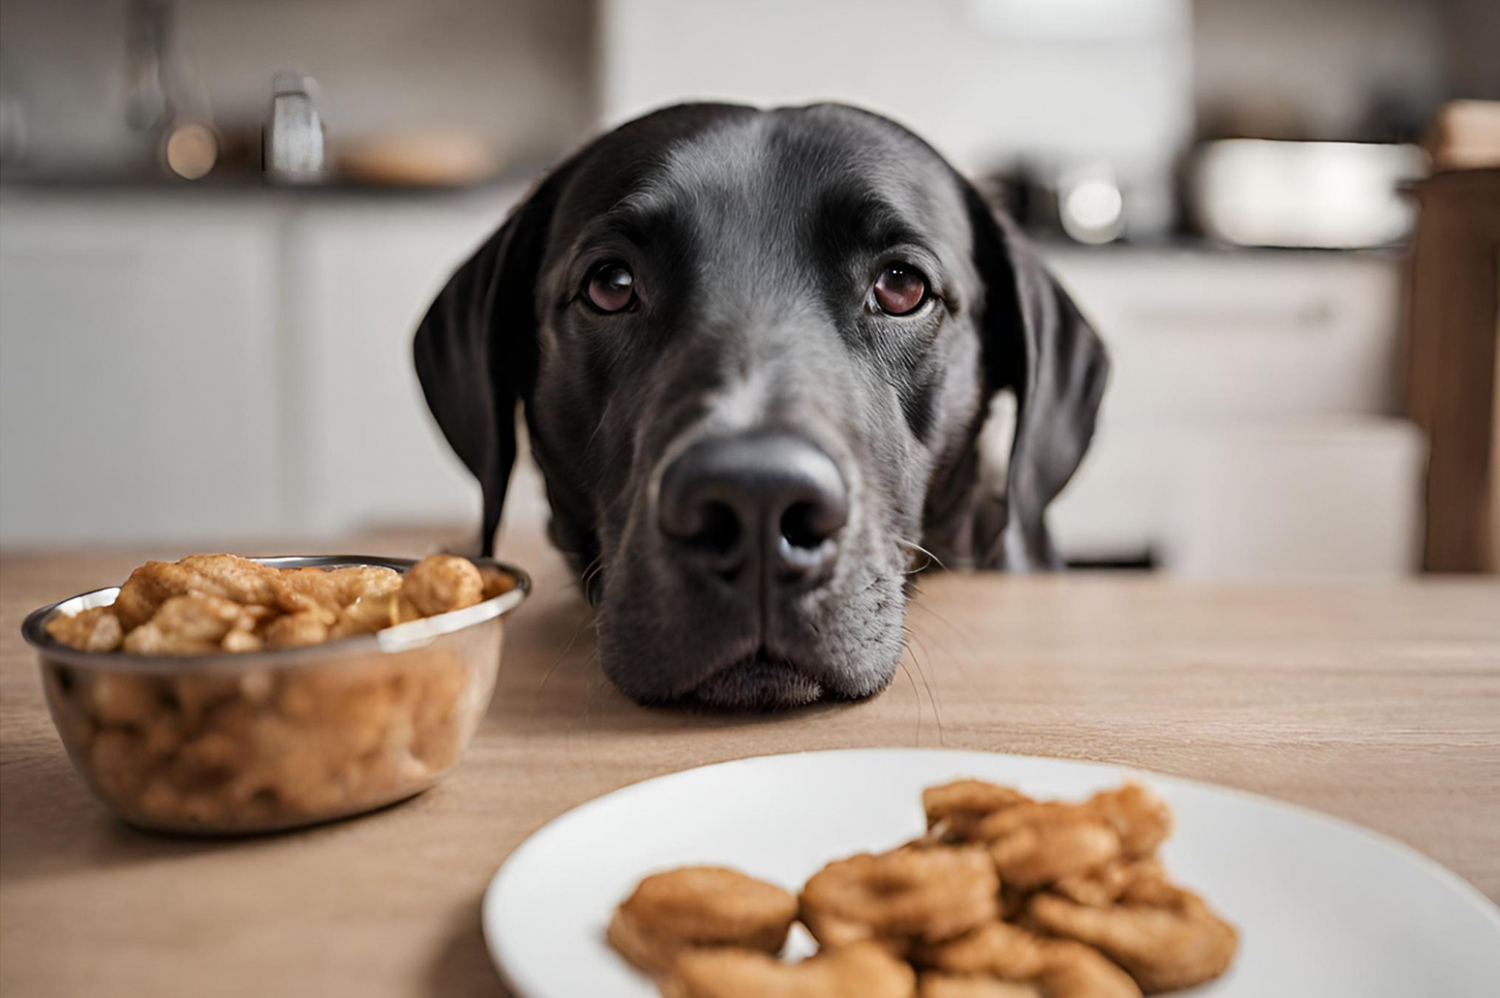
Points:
(755, 350)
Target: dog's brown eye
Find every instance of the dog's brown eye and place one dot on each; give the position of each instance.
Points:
(611, 288)
(899, 289)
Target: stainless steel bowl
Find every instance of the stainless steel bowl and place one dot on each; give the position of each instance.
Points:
(263, 741)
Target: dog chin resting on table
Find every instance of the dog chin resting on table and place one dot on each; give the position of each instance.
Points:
(756, 350)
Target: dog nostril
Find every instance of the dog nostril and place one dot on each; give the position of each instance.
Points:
(720, 529)
(803, 525)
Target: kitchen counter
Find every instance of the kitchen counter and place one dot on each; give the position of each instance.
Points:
(1376, 703)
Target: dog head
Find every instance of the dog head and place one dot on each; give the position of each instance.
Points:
(755, 351)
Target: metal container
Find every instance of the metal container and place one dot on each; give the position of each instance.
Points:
(293, 140)
(1320, 195)
(263, 741)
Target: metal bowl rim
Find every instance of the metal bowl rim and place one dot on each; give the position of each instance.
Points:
(402, 637)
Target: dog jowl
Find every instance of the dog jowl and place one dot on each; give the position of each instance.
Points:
(755, 350)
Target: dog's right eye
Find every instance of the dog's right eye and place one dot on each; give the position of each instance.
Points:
(900, 289)
(611, 288)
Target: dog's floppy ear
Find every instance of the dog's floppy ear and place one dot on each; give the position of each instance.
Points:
(1037, 343)
(476, 348)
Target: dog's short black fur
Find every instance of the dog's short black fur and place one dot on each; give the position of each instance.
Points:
(754, 238)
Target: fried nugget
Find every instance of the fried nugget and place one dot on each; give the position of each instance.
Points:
(442, 583)
(935, 984)
(357, 703)
(240, 641)
(1035, 844)
(1104, 885)
(356, 582)
(118, 763)
(193, 624)
(304, 589)
(1141, 818)
(96, 629)
(922, 893)
(1165, 936)
(372, 612)
(120, 698)
(496, 582)
(1050, 846)
(435, 694)
(298, 630)
(1057, 968)
(699, 906)
(223, 575)
(955, 809)
(862, 970)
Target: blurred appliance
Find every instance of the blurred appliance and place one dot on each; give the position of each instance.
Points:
(1089, 201)
(1091, 205)
(1327, 195)
(294, 132)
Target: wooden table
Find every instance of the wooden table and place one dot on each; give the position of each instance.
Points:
(1377, 703)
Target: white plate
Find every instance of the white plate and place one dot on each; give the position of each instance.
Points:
(1325, 909)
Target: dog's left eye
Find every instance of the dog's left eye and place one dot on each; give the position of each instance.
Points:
(611, 288)
(900, 289)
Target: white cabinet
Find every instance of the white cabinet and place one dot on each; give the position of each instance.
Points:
(1241, 334)
(1249, 427)
(224, 368)
(138, 372)
(362, 281)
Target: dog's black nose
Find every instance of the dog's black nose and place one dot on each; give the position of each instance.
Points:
(728, 501)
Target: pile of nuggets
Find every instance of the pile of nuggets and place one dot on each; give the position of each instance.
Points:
(1004, 897)
(222, 603)
(236, 749)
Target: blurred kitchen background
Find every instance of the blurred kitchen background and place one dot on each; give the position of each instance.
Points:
(221, 219)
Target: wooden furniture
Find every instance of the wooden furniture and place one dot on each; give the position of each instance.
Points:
(1453, 365)
(1376, 703)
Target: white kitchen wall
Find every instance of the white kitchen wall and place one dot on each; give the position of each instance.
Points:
(1320, 62)
(984, 80)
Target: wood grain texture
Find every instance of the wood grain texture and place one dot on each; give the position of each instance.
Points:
(1380, 704)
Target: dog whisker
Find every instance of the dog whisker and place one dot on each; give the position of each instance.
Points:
(916, 696)
(908, 645)
(957, 660)
(597, 682)
(912, 547)
(562, 657)
(591, 575)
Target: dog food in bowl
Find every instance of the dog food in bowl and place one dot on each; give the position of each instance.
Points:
(221, 694)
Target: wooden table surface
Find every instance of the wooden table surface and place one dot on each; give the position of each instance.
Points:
(1379, 703)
